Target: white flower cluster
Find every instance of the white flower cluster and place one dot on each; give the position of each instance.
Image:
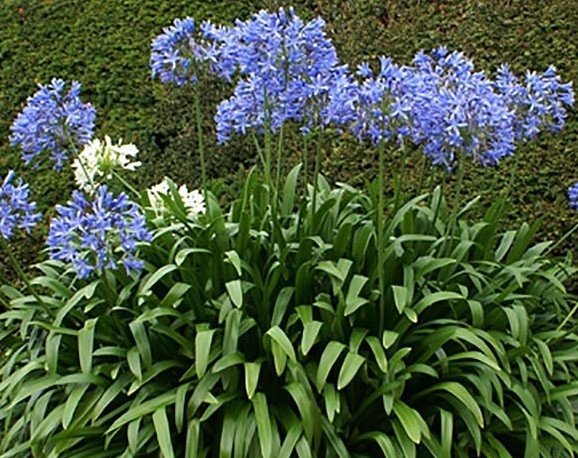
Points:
(98, 160)
(193, 201)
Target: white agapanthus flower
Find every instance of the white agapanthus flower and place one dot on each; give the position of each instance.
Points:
(193, 201)
(98, 160)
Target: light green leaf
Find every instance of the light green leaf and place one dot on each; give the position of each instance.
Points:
(235, 292)
(251, 377)
(328, 358)
(310, 332)
(351, 365)
(85, 345)
(400, 295)
(279, 336)
(163, 432)
(263, 424)
(203, 341)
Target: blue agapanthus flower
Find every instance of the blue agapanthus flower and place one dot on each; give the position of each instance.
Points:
(538, 102)
(53, 121)
(456, 110)
(98, 234)
(287, 69)
(573, 196)
(182, 52)
(16, 209)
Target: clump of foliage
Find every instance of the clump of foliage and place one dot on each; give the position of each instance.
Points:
(254, 333)
(300, 319)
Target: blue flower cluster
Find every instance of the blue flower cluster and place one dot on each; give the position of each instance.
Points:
(16, 210)
(99, 234)
(180, 53)
(573, 196)
(540, 101)
(53, 121)
(288, 70)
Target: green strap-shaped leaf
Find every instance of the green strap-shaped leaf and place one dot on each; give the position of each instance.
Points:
(153, 278)
(142, 409)
(400, 295)
(251, 377)
(263, 424)
(351, 365)
(310, 333)
(411, 421)
(227, 361)
(142, 342)
(352, 300)
(163, 432)
(192, 441)
(458, 391)
(378, 353)
(85, 345)
(328, 358)
(203, 341)
(133, 360)
(289, 190)
(71, 404)
(279, 336)
(235, 291)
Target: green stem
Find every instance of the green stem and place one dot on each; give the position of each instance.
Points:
(559, 242)
(380, 215)
(201, 146)
(439, 203)
(126, 184)
(279, 158)
(316, 172)
(424, 164)
(399, 178)
(20, 272)
(455, 205)
(561, 326)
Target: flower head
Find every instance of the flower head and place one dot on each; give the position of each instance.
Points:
(54, 121)
(193, 201)
(573, 196)
(98, 160)
(98, 234)
(287, 68)
(540, 101)
(181, 52)
(16, 210)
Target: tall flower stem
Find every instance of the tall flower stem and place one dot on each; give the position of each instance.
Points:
(455, 205)
(279, 158)
(380, 215)
(200, 139)
(20, 272)
(399, 178)
(316, 171)
(74, 149)
(561, 240)
(126, 184)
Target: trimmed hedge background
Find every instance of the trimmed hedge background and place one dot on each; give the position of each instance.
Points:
(105, 46)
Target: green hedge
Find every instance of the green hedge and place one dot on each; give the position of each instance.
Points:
(105, 45)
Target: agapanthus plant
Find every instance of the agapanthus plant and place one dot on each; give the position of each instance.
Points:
(193, 201)
(99, 160)
(16, 209)
(54, 122)
(98, 234)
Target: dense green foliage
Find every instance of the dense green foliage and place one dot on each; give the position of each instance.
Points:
(259, 330)
(105, 45)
